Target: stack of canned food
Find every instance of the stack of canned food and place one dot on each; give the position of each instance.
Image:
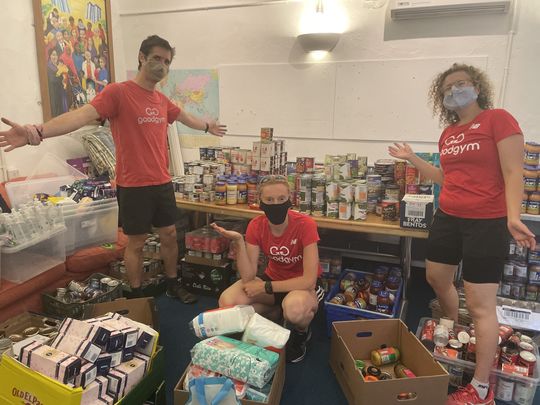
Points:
(206, 242)
(374, 292)
(531, 175)
(516, 376)
(79, 291)
(521, 275)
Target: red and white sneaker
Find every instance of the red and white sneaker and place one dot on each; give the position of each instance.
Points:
(469, 396)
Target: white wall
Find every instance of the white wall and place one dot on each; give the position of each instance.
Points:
(20, 99)
(267, 34)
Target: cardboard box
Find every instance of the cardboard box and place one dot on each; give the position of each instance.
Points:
(206, 280)
(181, 396)
(19, 323)
(206, 262)
(354, 340)
(21, 383)
(416, 211)
(268, 149)
(266, 164)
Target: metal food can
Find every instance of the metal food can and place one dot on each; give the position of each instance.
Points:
(389, 210)
(527, 359)
(456, 375)
(346, 192)
(332, 191)
(309, 164)
(506, 289)
(104, 282)
(300, 165)
(360, 191)
(523, 393)
(112, 284)
(505, 389)
(359, 212)
(345, 210)
(267, 134)
(332, 210)
(317, 209)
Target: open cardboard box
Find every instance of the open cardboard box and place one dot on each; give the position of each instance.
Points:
(181, 396)
(18, 323)
(354, 340)
(21, 383)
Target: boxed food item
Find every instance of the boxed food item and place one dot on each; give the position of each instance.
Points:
(51, 362)
(416, 211)
(355, 340)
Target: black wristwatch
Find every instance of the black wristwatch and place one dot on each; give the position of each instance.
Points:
(268, 287)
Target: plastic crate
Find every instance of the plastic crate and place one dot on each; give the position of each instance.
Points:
(336, 312)
(525, 385)
(54, 307)
(25, 261)
(90, 224)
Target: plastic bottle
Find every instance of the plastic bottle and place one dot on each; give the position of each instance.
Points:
(221, 321)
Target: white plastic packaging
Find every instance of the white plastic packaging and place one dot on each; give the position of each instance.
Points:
(265, 333)
(221, 321)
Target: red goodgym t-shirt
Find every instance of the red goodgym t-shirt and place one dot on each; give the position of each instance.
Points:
(285, 252)
(139, 119)
(473, 185)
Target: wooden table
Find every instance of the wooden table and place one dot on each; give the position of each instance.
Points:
(373, 225)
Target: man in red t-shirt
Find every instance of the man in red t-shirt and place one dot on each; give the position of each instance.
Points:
(139, 116)
(289, 240)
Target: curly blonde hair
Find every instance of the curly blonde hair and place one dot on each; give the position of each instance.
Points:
(436, 96)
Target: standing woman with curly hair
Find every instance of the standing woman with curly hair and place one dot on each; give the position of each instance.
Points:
(481, 176)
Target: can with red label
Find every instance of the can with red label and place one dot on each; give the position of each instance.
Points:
(526, 346)
(300, 165)
(505, 332)
(527, 359)
(470, 355)
(309, 164)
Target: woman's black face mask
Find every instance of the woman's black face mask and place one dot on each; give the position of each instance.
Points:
(276, 213)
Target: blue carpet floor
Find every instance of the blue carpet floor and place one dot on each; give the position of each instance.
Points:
(309, 382)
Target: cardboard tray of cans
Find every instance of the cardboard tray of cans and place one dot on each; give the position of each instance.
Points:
(511, 388)
(337, 312)
(56, 307)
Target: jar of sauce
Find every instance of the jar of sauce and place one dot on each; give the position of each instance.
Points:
(232, 192)
(375, 289)
(392, 284)
(242, 192)
(252, 191)
(380, 274)
(384, 302)
(221, 193)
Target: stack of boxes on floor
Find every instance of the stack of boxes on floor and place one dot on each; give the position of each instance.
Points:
(106, 356)
(250, 362)
(229, 175)
(516, 373)
(152, 266)
(206, 266)
(531, 174)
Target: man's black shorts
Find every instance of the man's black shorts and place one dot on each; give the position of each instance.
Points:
(140, 208)
(482, 244)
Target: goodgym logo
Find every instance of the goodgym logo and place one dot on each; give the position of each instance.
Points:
(152, 116)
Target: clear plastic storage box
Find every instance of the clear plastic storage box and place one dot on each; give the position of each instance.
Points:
(90, 224)
(509, 388)
(20, 263)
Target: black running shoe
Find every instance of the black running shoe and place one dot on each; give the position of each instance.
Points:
(177, 291)
(295, 351)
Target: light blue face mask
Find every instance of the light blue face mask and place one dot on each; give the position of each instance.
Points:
(460, 97)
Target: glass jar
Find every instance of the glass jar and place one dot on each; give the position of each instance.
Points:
(232, 192)
(221, 193)
(375, 289)
(252, 191)
(242, 192)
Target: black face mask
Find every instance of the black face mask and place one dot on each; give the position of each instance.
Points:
(276, 213)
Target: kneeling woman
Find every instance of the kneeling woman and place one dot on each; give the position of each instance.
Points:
(289, 241)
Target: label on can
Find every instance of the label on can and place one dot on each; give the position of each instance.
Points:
(505, 389)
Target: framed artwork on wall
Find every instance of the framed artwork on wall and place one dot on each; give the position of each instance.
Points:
(74, 52)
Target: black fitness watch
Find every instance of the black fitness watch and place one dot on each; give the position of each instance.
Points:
(268, 287)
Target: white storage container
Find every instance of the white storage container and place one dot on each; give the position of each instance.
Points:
(30, 259)
(90, 224)
(22, 192)
(513, 389)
